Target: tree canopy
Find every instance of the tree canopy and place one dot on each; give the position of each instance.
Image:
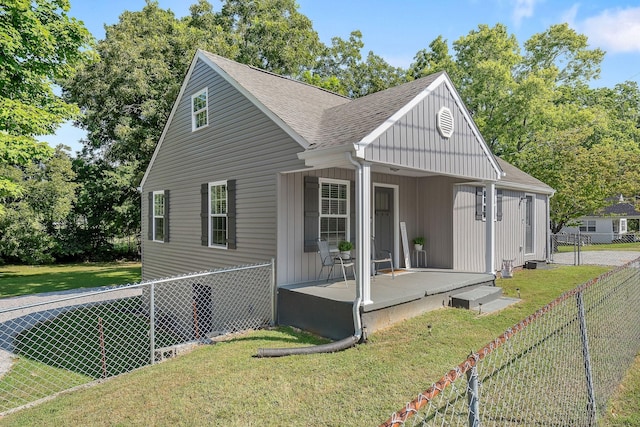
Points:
(39, 45)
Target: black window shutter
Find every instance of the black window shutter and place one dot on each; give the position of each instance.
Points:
(150, 217)
(499, 205)
(204, 214)
(311, 213)
(479, 191)
(166, 215)
(231, 214)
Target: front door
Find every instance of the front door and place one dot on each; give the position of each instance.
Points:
(383, 231)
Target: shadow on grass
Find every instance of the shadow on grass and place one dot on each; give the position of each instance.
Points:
(98, 341)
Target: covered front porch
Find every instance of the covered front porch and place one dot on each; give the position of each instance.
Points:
(326, 308)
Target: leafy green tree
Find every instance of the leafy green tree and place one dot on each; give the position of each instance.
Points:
(340, 68)
(34, 219)
(271, 34)
(39, 45)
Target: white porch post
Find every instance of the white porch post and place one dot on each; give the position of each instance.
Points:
(363, 232)
(490, 214)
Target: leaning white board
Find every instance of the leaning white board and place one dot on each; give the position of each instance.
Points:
(405, 245)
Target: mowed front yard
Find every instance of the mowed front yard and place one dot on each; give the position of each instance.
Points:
(223, 384)
(16, 280)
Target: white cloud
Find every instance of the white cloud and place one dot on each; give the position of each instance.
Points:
(615, 30)
(523, 9)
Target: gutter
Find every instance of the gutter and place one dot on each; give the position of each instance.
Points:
(344, 343)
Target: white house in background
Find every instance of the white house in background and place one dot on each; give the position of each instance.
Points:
(611, 224)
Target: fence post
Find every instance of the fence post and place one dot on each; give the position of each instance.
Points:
(152, 323)
(473, 397)
(591, 404)
(274, 294)
(579, 245)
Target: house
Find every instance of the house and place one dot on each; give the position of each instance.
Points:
(613, 223)
(253, 166)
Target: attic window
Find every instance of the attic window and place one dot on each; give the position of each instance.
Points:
(199, 110)
(444, 122)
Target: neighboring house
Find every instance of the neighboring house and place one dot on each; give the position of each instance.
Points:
(610, 224)
(253, 166)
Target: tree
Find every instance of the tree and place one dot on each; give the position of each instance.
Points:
(534, 108)
(271, 34)
(340, 69)
(33, 220)
(39, 45)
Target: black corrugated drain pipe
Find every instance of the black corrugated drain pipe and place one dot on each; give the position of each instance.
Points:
(331, 347)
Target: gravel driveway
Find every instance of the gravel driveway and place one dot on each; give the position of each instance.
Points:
(613, 258)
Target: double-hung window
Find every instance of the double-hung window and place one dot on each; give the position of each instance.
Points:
(588, 226)
(334, 210)
(199, 110)
(218, 214)
(158, 216)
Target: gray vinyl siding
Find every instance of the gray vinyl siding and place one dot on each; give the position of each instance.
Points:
(239, 143)
(414, 142)
(435, 220)
(294, 265)
(469, 234)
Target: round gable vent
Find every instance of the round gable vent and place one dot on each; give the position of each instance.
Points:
(444, 122)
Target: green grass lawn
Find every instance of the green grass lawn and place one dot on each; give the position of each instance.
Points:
(21, 280)
(224, 385)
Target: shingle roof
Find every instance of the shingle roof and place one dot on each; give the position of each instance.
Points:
(321, 117)
(516, 176)
(620, 209)
(299, 105)
(350, 123)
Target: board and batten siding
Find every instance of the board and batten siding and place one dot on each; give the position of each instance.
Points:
(469, 234)
(414, 142)
(296, 266)
(240, 143)
(435, 219)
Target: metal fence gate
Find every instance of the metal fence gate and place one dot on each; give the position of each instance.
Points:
(52, 346)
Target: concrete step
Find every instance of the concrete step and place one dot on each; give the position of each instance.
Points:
(497, 305)
(480, 295)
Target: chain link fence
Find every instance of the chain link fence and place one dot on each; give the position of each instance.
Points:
(594, 248)
(558, 367)
(53, 346)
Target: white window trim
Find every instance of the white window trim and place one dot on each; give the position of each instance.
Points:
(623, 226)
(155, 216)
(194, 113)
(210, 215)
(348, 214)
(533, 224)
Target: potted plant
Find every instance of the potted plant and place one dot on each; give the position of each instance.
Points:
(418, 242)
(345, 249)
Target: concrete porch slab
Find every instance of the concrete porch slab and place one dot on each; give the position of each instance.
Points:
(325, 308)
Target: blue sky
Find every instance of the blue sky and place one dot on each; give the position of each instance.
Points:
(397, 29)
